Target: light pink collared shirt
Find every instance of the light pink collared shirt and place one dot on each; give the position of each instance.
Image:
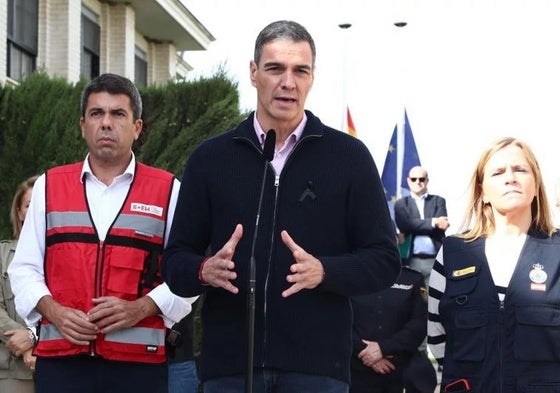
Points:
(281, 154)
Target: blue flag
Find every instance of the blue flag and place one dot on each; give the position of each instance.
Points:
(401, 156)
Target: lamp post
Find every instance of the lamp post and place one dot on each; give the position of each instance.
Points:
(345, 27)
(400, 130)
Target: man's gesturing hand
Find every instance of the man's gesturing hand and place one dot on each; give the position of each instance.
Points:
(307, 271)
(217, 270)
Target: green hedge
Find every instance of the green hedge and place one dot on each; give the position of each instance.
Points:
(39, 126)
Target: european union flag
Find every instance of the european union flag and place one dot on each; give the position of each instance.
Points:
(401, 156)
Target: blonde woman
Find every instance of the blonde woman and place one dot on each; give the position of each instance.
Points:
(16, 341)
(494, 305)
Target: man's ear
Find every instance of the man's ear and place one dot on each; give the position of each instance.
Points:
(253, 68)
(138, 124)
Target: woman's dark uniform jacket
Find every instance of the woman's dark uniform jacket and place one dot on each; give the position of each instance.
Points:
(502, 346)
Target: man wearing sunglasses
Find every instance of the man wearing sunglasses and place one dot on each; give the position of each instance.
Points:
(424, 217)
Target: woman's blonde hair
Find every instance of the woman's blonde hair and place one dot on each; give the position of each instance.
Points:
(22, 188)
(479, 218)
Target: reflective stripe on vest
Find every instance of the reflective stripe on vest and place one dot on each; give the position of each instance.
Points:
(133, 335)
(144, 225)
(137, 335)
(67, 219)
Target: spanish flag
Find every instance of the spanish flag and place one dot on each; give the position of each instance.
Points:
(350, 124)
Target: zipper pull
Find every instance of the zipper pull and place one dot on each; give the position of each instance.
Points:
(277, 181)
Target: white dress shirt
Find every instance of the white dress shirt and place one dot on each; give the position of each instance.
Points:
(26, 271)
(423, 244)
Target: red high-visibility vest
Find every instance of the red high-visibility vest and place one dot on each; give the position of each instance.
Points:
(79, 267)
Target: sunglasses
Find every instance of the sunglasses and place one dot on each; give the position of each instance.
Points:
(420, 179)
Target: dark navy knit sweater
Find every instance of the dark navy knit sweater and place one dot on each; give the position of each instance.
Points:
(344, 222)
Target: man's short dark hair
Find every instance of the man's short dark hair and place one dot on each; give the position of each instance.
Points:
(113, 84)
(283, 29)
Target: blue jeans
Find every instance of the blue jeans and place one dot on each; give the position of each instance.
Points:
(274, 381)
(183, 377)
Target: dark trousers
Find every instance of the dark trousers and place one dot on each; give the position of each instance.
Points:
(88, 374)
(420, 374)
(368, 381)
(277, 381)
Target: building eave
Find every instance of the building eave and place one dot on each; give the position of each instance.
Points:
(169, 21)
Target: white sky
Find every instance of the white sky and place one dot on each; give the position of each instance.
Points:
(467, 71)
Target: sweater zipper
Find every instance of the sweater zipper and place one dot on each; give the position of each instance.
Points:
(276, 187)
(275, 211)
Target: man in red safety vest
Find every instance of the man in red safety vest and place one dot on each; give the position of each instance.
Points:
(88, 272)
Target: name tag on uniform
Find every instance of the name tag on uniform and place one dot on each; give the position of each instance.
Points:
(464, 272)
(402, 286)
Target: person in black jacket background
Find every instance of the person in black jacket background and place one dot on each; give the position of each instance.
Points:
(387, 329)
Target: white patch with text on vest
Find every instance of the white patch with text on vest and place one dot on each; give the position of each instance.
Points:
(150, 209)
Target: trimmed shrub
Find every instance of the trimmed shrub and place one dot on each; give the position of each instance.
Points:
(39, 126)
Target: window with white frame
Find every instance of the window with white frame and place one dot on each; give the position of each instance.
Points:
(90, 44)
(140, 67)
(22, 38)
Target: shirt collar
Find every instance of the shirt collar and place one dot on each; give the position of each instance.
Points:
(128, 172)
(295, 133)
(421, 197)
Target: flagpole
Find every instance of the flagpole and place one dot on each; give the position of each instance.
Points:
(400, 135)
(345, 27)
(400, 157)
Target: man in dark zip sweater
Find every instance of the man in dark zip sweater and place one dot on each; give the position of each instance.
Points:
(325, 234)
